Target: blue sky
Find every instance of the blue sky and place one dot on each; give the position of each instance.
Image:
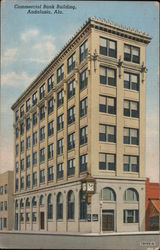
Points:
(30, 41)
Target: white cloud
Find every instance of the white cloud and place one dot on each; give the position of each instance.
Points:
(9, 55)
(29, 34)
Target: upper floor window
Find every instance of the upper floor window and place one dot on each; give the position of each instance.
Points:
(131, 136)
(83, 135)
(60, 146)
(22, 110)
(22, 164)
(22, 146)
(17, 149)
(50, 83)
(71, 141)
(107, 133)
(131, 194)
(50, 151)
(131, 108)
(71, 89)
(50, 128)
(60, 73)
(71, 115)
(34, 138)
(107, 104)
(28, 142)
(22, 128)
(71, 167)
(34, 184)
(22, 182)
(27, 161)
(27, 105)
(50, 173)
(83, 79)
(17, 115)
(131, 53)
(28, 182)
(60, 170)
(50, 106)
(35, 158)
(34, 118)
(5, 188)
(28, 123)
(71, 63)
(83, 107)
(83, 51)
(107, 161)
(17, 132)
(42, 91)
(42, 155)
(34, 98)
(42, 176)
(107, 194)
(42, 133)
(83, 162)
(108, 47)
(60, 98)
(107, 76)
(60, 122)
(42, 112)
(131, 81)
(130, 163)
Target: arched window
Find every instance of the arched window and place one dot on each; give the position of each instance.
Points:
(27, 202)
(41, 200)
(34, 202)
(59, 206)
(16, 204)
(131, 195)
(70, 205)
(21, 203)
(83, 206)
(50, 207)
(108, 194)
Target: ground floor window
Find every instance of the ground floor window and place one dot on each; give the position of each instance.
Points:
(83, 206)
(131, 216)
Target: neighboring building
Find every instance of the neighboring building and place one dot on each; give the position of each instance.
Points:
(152, 205)
(80, 136)
(6, 200)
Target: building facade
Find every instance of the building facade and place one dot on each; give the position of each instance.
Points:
(6, 200)
(80, 136)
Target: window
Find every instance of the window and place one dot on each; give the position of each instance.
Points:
(107, 104)
(34, 158)
(42, 133)
(50, 128)
(22, 128)
(50, 83)
(83, 107)
(107, 76)
(1, 206)
(17, 167)
(34, 216)
(83, 206)
(17, 132)
(27, 105)
(108, 47)
(34, 178)
(42, 155)
(50, 151)
(22, 146)
(108, 194)
(34, 202)
(50, 206)
(17, 115)
(16, 204)
(83, 161)
(34, 118)
(131, 136)
(27, 161)
(17, 147)
(5, 205)
(60, 170)
(71, 89)
(27, 217)
(4, 222)
(27, 124)
(83, 135)
(71, 115)
(28, 183)
(34, 98)
(71, 63)
(107, 161)
(42, 91)
(83, 51)
(131, 108)
(130, 216)
(41, 200)
(60, 146)
(50, 106)
(83, 79)
(42, 176)
(60, 122)
(130, 163)
(71, 167)
(59, 206)
(1, 190)
(21, 217)
(27, 202)
(22, 182)
(21, 203)
(71, 141)
(107, 133)
(131, 81)
(50, 174)
(34, 138)
(28, 142)
(60, 74)
(16, 186)
(131, 53)
(131, 195)
(42, 112)
(60, 98)
(22, 111)
(22, 164)
(71, 201)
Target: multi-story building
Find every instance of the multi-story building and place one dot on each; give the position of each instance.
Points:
(80, 136)
(6, 200)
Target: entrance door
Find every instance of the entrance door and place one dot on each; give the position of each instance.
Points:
(107, 220)
(42, 220)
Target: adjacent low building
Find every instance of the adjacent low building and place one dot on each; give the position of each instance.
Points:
(6, 200)
(80, 136)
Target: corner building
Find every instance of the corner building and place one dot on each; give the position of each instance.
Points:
(80, 136)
